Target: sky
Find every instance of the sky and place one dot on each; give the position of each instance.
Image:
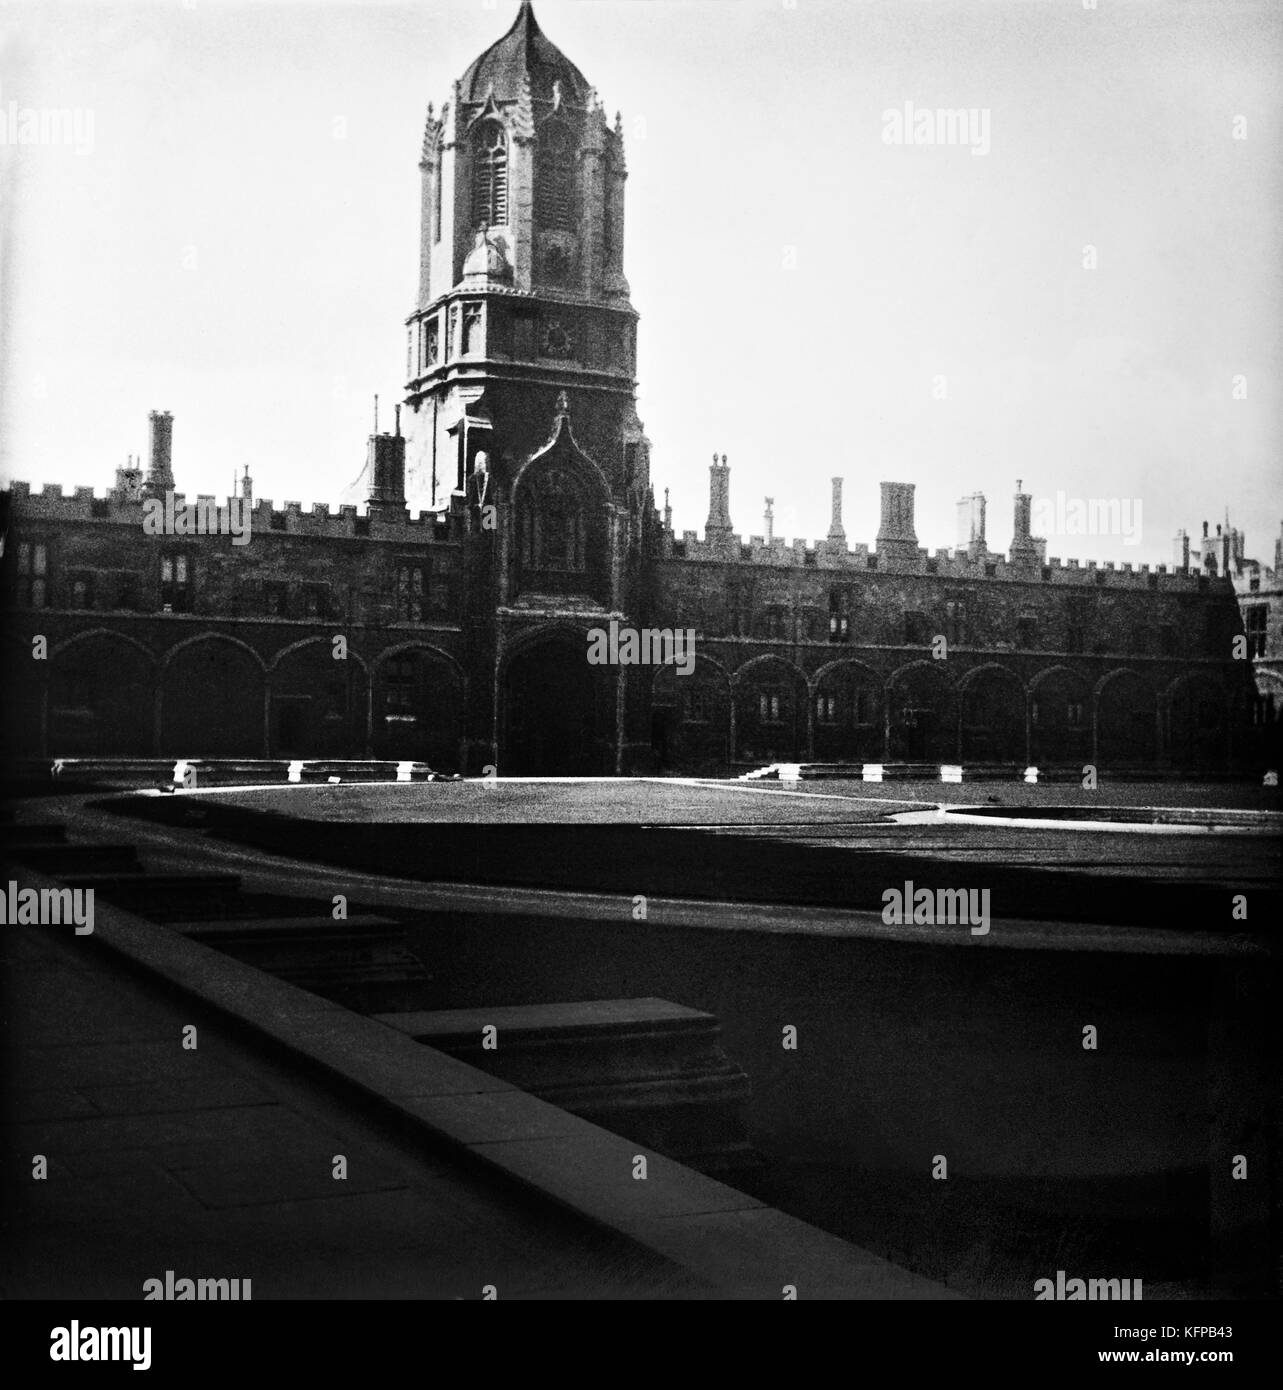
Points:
(1083, 291)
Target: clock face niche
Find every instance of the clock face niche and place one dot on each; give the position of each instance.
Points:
(556, 340)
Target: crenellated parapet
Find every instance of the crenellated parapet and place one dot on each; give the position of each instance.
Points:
(897, 552)
(50, 505)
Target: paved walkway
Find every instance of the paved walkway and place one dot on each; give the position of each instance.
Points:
(218, 1163)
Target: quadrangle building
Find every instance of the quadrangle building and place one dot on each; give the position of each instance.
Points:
(510, 512)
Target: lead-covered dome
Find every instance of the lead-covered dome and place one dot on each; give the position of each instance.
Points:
(523, 49)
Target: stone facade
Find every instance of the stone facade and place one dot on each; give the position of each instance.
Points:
(510, 512)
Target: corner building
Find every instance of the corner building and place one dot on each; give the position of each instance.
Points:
(510, 512)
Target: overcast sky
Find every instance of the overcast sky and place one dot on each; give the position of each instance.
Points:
(237, 241)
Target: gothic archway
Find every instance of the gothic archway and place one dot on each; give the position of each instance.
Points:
(557, 711)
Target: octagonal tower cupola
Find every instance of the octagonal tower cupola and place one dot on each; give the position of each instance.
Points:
(524, 52)
(524, 148)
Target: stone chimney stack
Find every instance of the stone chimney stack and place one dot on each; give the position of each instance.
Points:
(160, 469)
(718, 525)
(1180, 550)
(897, 540)
(971, 524)
(837, 536)
(668, 513)
(1026, 548)
(385, 466)
(769, 517)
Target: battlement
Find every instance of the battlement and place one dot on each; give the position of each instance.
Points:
(51, 505)
(943, 563)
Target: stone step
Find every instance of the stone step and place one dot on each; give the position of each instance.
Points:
(362, 963)
(648, 1069)
(22, 837)
(162, 896)
(59, 859)
(316, 927)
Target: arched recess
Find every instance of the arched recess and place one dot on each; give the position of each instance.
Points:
(212, 699)
(992, 705)
(561, 511)
(1263, 718)
(101, 696)
(847, 712)
(556, 711)
(691, 717)
(769, 696)
(22, 699)
(1126, 719)
(418, 706)
(1060, 703)
(921, 714)
(318, 706)
(1196, 723)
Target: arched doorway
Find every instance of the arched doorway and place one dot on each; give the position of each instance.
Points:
(557, 710)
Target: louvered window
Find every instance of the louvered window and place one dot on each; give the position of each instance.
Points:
(490, 176)
(555, 181)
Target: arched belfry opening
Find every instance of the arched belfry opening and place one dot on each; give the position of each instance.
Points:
(489, 174)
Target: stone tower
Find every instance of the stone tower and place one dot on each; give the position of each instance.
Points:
(520, 400)
(522, 294)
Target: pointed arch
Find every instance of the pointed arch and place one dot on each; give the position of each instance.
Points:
(992, 706)
(318, 707)
(418, 697)
(212, 698)
(168, 656)
(846, 701)
(691, 717)
(770, 703)
(1195, 714)
(488, 140)
(111, 633)
(1060, 716)
(921, 713)
(293, 647)
(563, 522)
(1125, 708)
